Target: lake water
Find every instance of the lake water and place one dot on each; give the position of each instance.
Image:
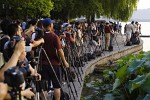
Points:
(145, 30)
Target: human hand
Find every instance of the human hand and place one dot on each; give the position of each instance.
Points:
(38, 76)
(66, 64)
(42, 40)
(27, 93)
(3, 90)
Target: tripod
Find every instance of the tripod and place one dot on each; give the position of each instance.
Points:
(102, 38)
(15, 93)
(71, 60)
(53, 71)
(115, 39)
(38, 84)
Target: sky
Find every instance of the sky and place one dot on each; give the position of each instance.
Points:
(143, 4)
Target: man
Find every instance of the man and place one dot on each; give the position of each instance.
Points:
(129, 31)
(52, 46)
(19, 49)
(107, 31)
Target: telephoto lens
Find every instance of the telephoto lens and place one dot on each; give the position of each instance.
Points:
(25, 70)
(14, 77)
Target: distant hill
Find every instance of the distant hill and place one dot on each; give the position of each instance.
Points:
(141, 15)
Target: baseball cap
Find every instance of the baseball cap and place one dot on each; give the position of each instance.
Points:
(47, 21)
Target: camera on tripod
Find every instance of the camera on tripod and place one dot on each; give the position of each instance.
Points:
(15, 76)
(68, 34)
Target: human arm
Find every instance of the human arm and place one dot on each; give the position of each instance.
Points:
(26, 93)
(34, 72)
(60, 51)
(61, 54)
(19, 48)
(37, 43)
(3, 90)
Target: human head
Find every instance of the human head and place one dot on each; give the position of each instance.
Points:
(48, 24)
(33, 22)
(39, 24)
(132, 22)
(13, 45)
(107, 23)
(68, 27)
(13, 29)
(18, 22)
(4, 25)
(136, 23)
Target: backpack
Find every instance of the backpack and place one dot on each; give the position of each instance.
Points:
(129, 43)
(2, 36)
(2, 61)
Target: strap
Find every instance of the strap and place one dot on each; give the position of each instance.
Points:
(2, 36)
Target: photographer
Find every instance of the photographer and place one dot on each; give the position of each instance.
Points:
(52, 47)
(30, 36)
(15, 57)
(19, 49)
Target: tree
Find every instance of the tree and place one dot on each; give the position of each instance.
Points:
(116, 9)
(32, 8)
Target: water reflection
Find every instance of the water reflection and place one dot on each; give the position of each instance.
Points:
(146, 44)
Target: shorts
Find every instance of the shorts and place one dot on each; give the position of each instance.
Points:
(48, 74)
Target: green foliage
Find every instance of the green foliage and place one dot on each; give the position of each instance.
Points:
(116, 84)
(134, 76)
(129, 79)
(32, 8)
(135, 65)
(136, 83)
(119, 10)
(68, 9)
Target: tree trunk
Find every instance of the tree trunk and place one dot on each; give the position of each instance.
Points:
(92, 18)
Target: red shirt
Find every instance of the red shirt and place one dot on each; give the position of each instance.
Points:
(51, 45)
(107, 29)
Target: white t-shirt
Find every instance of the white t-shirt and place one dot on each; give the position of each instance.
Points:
(129, 28)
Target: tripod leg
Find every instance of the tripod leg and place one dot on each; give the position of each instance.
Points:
(71, 62)
(115, 38)
(54, 73)
(72, 82)
(76, 73)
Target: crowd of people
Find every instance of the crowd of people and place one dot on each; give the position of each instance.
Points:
(21, 42)
(132, 31)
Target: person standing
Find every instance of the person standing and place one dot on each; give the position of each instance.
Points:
(54, 50)
(107, 31)
(129, 31)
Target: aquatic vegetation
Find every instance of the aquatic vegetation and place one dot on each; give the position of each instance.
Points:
(128, 79)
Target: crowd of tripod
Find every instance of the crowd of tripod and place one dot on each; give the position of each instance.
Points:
(48, 52)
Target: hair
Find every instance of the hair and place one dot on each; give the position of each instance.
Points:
(33, 22)
(39, 24)
(132, 22)
(12, 29)
(18, 22)
(4, 25)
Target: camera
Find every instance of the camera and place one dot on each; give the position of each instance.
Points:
(68, 34)
(15, 76)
